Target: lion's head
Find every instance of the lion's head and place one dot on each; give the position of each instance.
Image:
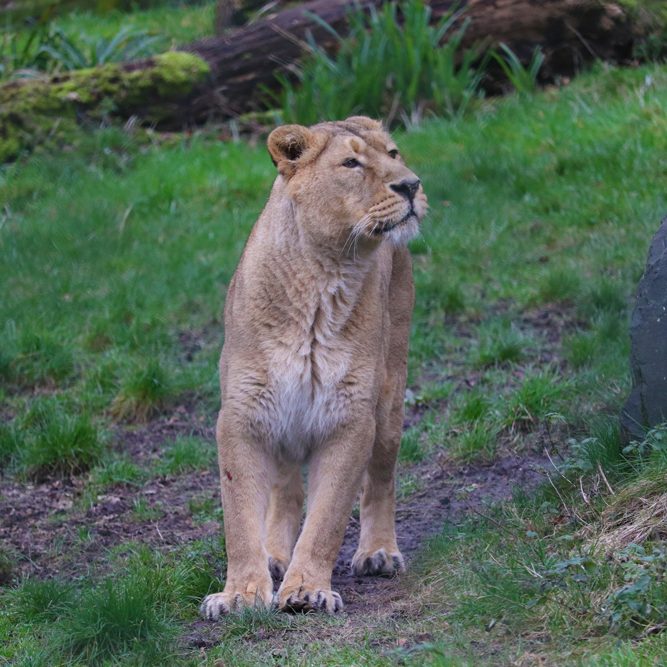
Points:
(348, 182)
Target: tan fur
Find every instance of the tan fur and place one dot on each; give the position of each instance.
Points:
(313, 368)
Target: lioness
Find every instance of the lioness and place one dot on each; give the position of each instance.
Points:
(313, 367)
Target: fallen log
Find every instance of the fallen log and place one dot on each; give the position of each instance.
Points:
(570, 32)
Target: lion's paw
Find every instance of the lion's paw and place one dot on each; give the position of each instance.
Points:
(304, 600)
(219, 604)
(377, 563)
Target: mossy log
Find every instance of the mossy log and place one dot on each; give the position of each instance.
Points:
(155, 89)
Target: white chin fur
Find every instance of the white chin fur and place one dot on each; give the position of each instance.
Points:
(401, 234)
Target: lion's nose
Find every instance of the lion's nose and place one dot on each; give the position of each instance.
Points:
(407, 188)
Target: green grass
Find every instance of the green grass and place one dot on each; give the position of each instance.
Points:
(540, 394)
(51, 439)
(499, 343)
(145, 390)
(115, 257)
(186, 455)
(130, 616)
(176, 24)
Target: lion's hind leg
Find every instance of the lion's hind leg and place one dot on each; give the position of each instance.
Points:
(378, 553)
(284, 518)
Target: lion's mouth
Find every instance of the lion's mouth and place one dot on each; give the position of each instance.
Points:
(388, 226)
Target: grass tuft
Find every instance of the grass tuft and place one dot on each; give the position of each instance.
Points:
(35, 359)
(478, 440)
(43, 601)
(604, 297)
(499, 344)
(58, 442)
(559, 285)
(473, 406)
(117, 617)
(145, 391)
(7, 566)
(117, 471)
(541, 394)
(10, 444)
(412, 450)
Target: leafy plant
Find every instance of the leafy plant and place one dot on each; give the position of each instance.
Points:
(62, 52)
(522, 77)
(48, 48)
(387, 67)
(642, 600)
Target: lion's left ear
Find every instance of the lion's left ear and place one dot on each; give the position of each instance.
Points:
(364, 122)
(289, 145)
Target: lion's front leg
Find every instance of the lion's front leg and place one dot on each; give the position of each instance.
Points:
(246, 476)
(334, 479)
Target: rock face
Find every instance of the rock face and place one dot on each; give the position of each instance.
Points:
(647, 404)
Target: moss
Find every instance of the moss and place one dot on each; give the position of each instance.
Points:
(34, 109)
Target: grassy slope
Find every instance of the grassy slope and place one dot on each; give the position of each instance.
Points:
(111, 254)
(181, 23)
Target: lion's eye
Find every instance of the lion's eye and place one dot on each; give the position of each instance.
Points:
(393, 154)
(351, 163)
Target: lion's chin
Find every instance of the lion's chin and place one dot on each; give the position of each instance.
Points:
(399, 232)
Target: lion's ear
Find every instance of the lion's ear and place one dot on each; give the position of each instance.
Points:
(287, 145)
(364, 122)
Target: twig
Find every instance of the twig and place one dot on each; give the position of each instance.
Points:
(583, 41)
(555, 466)
(605, 480)
(583, 493)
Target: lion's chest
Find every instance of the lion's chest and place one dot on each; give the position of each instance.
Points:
(307, 397)
(310, 376)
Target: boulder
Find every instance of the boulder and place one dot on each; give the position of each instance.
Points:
(646, 406)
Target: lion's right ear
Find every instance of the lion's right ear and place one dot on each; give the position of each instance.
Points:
(288, 145)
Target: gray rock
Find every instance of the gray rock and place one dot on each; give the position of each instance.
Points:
(647, 404)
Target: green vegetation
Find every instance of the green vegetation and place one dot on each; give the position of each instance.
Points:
(187, 454)
(114, 259)
(569, 580)
(143, 393)
(36, 111)
(51, 438)
(387, 69)
(523, 78)
(130, 616)
(49, 49)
